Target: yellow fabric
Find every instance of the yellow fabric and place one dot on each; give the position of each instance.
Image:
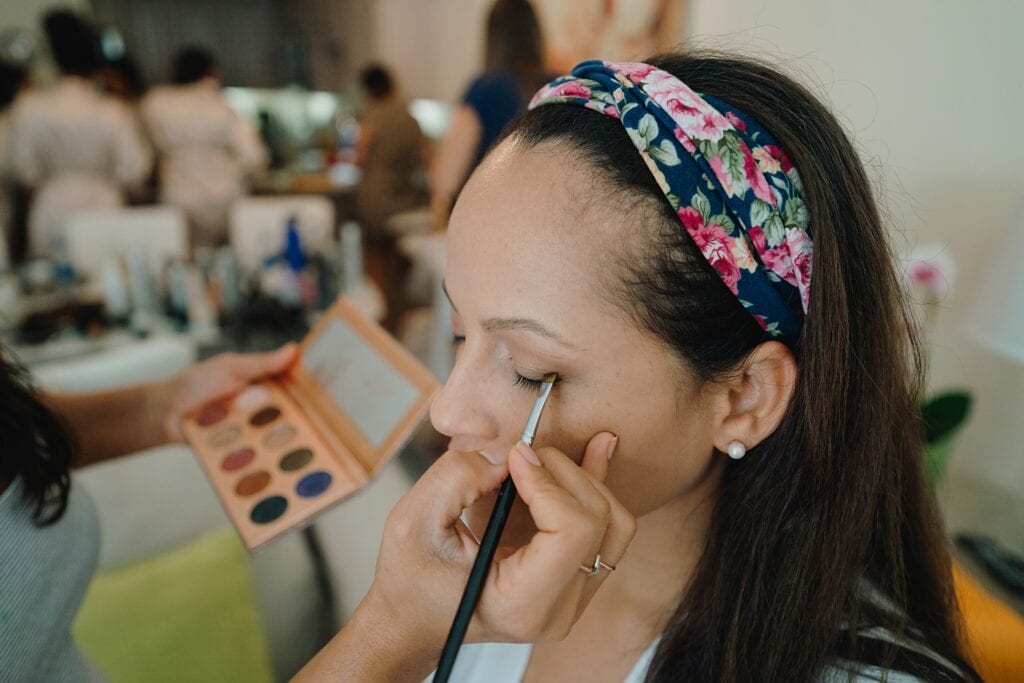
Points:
(995, 633)
(185, 615)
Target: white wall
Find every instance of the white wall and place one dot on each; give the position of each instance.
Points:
(434, 46)
(26, 13)
(931, 91)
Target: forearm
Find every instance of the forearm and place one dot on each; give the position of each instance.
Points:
(109, 424)
(372, 648)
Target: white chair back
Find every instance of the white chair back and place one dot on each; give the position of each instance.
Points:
(257, 226)
(94, 236)
(414, 222)
(429, 256)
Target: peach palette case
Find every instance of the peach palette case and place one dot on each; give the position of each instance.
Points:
(288, 448)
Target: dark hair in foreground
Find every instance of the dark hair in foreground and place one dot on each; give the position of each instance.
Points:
(12, 78)
(376, 80)
(515, 44)
(832, 510)
(36, 447)
(192, 64)
(73, 43)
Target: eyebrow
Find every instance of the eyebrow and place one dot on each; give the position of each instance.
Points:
(517, 324)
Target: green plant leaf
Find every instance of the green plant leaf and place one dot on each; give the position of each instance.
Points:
(944, 414)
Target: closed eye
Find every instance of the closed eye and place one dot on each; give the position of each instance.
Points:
(527, 383)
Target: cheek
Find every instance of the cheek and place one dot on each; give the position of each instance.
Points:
(663, 452)
(666, 461)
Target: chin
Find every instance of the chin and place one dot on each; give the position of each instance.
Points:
(518, 530)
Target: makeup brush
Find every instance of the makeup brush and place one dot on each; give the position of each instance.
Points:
(488, 546)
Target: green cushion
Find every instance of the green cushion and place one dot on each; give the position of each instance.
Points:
(186, 615)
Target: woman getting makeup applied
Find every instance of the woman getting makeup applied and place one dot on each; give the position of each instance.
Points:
(727, 480)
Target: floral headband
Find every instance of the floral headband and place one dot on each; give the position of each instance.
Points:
(733, 187)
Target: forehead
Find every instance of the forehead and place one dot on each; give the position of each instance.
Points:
(533, 223)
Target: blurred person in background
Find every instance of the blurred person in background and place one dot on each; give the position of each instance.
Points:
(71, 146)
(205, 149)
(391, 152)
(513, 71)
(13, 78)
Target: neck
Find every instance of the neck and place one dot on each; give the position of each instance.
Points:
(650, 580)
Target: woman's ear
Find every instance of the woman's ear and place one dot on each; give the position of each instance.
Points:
(754, 400)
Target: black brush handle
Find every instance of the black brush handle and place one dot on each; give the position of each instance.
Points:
(477, 579)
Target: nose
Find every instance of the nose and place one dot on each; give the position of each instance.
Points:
(463, 409)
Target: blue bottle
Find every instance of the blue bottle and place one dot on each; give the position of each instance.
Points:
(293, 254)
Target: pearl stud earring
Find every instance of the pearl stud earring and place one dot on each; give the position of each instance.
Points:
(737, 450)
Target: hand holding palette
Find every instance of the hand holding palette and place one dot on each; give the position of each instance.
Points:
(288, 448)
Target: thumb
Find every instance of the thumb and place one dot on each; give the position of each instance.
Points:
(534, 483)
(597, 454)
(253, 366)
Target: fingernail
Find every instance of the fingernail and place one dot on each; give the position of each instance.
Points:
(528, 454)
(611, 447)
(493, 458)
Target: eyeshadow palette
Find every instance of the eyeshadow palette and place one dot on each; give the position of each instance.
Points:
(288, 448)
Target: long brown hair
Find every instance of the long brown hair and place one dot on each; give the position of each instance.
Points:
(827, 528)
(515, 44)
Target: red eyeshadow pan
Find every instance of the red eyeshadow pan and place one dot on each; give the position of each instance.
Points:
(212, 414)
(236, 460)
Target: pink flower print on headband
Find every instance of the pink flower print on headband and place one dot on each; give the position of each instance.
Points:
(751, 226)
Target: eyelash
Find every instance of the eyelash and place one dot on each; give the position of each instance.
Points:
(520, 381)
(527, 383)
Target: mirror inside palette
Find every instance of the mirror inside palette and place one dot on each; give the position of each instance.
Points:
(286, 449)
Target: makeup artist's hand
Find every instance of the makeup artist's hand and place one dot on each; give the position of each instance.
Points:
(215, 378)
(533, 593)
(538, 592)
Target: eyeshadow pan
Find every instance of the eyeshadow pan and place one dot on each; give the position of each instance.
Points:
(252, 483)
(268, 509)
(296, 460)
(237, 459)
(251, 397)
(223, 436)
(212, 414)
(312, 485)
(265, 416)
(278, 435)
